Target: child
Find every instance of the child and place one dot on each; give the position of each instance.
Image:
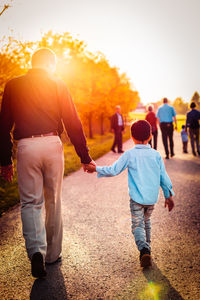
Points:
(146, 173)
(184, 136)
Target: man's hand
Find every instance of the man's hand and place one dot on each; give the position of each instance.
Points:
(169, 202)
(89, 168)
(7, 172)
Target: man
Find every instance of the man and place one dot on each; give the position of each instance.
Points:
(35, 104)
(166, 115)
(117, 127)
(192, 121)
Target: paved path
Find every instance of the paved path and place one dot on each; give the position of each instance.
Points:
(100, 259)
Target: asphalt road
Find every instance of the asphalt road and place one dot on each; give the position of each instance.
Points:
(100, 259)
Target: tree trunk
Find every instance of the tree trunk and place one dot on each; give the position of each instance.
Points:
(101, 121)
(90, 126)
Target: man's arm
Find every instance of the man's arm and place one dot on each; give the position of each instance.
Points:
(158, 117)
(187, 123)
(6, 124)
(73, 124)
(175, 121)
(174, 117)
(123, 127)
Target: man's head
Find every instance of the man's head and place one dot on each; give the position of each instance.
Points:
(118, 108)
(192, 105)
(165, 100)
(141, 131)
(183, 126)
(44, 58)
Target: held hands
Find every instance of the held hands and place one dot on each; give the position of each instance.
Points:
(169, 202)
(7, 172)
(89, 168)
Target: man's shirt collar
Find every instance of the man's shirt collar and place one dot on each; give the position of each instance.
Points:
(37, 71)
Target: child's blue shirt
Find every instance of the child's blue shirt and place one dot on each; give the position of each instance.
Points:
(184, 135)
(146, 173)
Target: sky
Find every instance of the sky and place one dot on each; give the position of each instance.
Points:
(155, 42)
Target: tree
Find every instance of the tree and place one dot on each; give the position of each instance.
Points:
(196, 98)
(14, 60)
(96, 87)
(6, 6)
(180, 106)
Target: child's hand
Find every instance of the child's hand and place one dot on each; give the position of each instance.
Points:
(169, 202)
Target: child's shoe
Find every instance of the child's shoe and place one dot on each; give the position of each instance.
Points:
(145, 258)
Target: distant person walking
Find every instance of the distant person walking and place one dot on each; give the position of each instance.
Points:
(166, 115)
(184, 137)
(192, 122)
(35, 104)
(117, 127)
(151, 118)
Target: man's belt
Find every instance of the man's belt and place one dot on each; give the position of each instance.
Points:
(43, 134)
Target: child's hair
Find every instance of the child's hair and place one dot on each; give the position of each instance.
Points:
(141, 130)
(183, 126)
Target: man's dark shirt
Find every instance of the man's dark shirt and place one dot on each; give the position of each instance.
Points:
(37, 103)
(114, 122)
(193, 118)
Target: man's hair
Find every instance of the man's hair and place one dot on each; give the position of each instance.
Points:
(165, 100)
(183, 126)
(141, 130)
(43, 57)
(192, 105)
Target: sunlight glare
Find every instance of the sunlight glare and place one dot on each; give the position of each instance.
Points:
(151, 292)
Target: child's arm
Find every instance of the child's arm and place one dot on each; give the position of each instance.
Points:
(166, 186)
(116, 168)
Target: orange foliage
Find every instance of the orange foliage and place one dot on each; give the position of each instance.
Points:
(96, 87)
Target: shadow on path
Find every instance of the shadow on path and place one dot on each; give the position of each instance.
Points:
(189, 166)
(52, 287)
(159, 286)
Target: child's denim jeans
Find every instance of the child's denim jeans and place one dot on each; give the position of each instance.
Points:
(141, 224)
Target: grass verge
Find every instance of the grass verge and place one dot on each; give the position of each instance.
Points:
(98, 146)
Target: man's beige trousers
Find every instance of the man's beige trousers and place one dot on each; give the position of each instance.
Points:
(40, 166)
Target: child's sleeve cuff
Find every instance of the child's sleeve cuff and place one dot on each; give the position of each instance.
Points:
(98, 170)
(168, 192)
